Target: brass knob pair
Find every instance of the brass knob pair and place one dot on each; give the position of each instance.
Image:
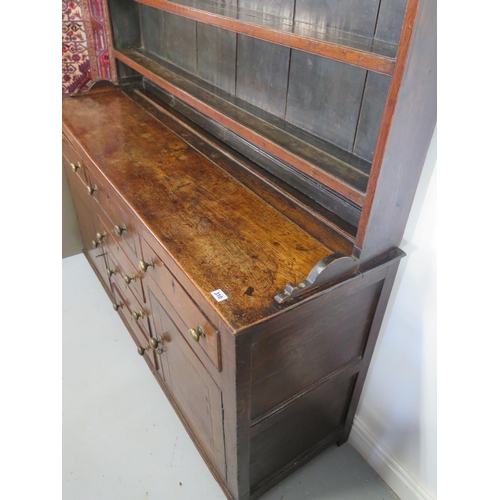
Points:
(153, 344)
(196, 334)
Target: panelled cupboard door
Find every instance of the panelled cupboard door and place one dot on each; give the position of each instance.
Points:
(191, 387)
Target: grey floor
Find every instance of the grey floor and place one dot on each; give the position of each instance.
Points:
(123, 441)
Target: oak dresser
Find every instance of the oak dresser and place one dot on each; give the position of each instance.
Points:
(241, 195)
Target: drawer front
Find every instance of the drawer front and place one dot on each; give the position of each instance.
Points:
(88, 220)
(128, 308)
(194, 391)
(123, 274)
(203, 340)
(130, 276)
(95, 187)
(75, 168)
(122, 223)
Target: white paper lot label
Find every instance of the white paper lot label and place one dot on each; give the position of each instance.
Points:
(218, 295)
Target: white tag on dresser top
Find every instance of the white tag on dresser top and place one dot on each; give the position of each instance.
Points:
(218, 295)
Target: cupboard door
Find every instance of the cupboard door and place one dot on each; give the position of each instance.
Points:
(195, 393)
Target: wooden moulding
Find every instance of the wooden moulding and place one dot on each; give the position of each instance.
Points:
(154, 72)
(335, 266)
(337, 51)
(390, 109)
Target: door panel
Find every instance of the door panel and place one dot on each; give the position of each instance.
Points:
(190, 385)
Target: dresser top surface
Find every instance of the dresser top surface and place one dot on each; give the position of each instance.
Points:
(220, 233)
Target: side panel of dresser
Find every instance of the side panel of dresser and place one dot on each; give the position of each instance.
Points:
(146, 291)
(302, 373)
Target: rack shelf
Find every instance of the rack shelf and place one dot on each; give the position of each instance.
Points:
(336, 169)
(359, 51)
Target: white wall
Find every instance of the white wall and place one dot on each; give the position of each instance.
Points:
(396, 424)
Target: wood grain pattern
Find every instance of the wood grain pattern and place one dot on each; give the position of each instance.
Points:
(146, 162)
(319, 199)
(293, 204)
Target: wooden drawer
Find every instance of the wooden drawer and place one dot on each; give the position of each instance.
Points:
(122, 223)
(90, 224)
(95, 187)
(75, 168)
(127, 306)
(123, 273)
(190, 317)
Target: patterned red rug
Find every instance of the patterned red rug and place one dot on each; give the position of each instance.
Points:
(86, 45)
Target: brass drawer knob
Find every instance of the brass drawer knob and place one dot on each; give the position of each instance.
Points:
(196, 334)
(142, 350)
(119, 229)
(98, 241)
(117, 306)
(91, 190)
(100, 236)
(75, 166)
(143, 265)
(137, 315)
(129, 279)
(110, 272)
(154, 343)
